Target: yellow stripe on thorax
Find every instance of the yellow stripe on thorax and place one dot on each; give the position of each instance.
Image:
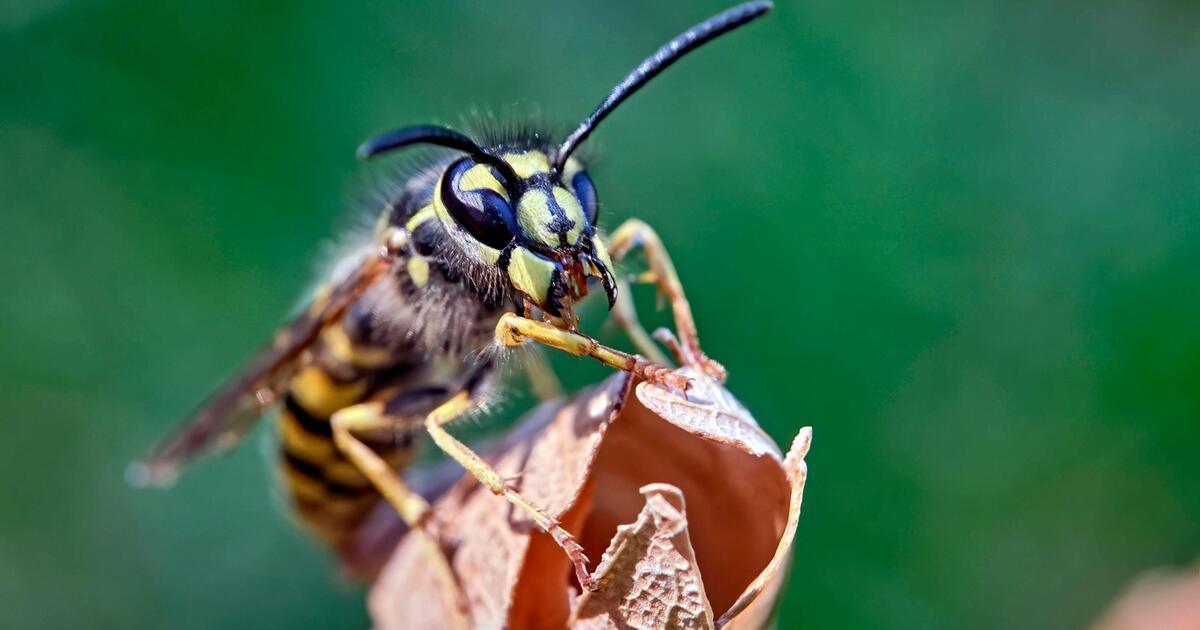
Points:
(418, 271)
(417, 267)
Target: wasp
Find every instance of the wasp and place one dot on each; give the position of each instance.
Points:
(489, 247)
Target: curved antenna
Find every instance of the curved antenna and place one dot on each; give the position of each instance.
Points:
(662, 58)
(438, 136)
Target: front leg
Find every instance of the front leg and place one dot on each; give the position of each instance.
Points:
(634, 233)
(512, 330)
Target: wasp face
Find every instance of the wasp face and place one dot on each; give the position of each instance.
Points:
(537, 226)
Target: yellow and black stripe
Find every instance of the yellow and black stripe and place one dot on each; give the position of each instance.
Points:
(329, 494)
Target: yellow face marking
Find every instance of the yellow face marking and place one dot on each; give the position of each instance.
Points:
(531, 274)
(479, 177)
(318, 394)
(418, 270)
(528, 164)
(573, 210)
(534, 217)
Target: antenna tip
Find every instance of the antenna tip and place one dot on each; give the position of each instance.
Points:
(756, 8)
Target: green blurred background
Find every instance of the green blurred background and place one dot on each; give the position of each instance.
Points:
(961, 240)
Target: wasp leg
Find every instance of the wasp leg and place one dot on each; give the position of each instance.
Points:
(413, 509)
(513, 329)
(637, 233)
(455, 407)
(624, 314)
(542, 380)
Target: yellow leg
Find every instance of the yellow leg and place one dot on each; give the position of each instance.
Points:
(637, 233)
(455, 407)
(513, 329)
(624, 314)
(412, 507)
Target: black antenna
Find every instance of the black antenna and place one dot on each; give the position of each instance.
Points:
(662, 58)
(439, 136)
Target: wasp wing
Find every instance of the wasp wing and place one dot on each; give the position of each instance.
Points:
(225, 417)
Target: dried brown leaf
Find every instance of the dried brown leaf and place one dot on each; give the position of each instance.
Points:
(616, 469)
(708, 410)
(491, 541)
(648, 577)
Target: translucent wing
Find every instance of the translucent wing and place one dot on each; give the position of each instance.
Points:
(225, 417)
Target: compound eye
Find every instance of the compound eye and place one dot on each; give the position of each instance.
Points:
(585, 191)
(472, 195)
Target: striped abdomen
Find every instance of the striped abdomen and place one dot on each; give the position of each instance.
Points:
(329, 494)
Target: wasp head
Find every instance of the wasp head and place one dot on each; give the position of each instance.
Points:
(535, 225)
(532, 213)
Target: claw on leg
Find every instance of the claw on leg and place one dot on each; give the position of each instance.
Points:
(662, 375)
(578, 559)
